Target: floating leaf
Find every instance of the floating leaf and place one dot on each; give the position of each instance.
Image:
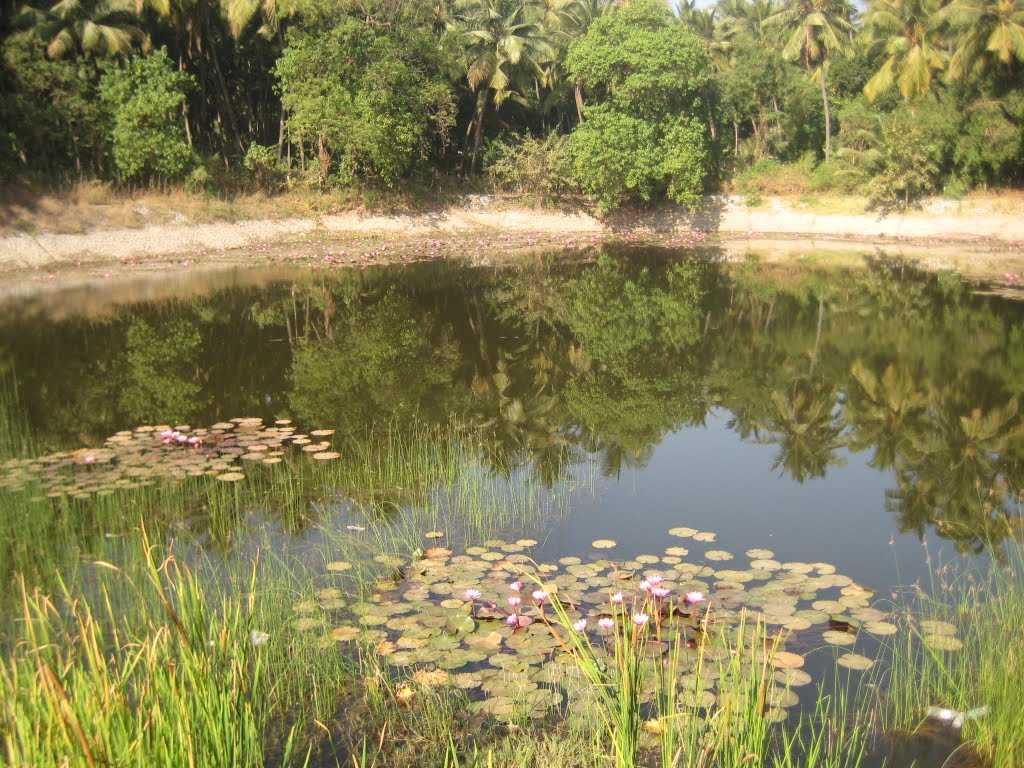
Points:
(838, 638)
(787, 660)
(855, 661)
(602, 544)
(338, 566)
(943, 642)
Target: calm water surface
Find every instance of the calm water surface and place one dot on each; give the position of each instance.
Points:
(865, 417)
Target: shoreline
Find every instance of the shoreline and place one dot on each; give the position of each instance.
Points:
(982, 245)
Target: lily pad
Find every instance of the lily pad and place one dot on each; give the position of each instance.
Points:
(603, 544)
(855, 661)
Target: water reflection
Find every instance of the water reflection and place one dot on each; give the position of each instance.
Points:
(551, 362)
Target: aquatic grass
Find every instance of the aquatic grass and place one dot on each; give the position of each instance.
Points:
(979, 677)
(176, 682)
(16, 438)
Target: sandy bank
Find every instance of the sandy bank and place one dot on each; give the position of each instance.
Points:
(726, 219)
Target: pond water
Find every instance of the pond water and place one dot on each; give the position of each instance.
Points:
(865, 417)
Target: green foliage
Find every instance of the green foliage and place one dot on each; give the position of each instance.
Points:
(144, 98)
(159, 376)
(527, 165)
(987, 144)
(51, 116)
(917, 141)
(642, 139)
(638, 61)
(370, 103)
(266, 169)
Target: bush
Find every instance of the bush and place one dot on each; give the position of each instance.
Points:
(268, 173)
(145, 97)
(917, 142)
(616, 157)
(987, 145)
(528, 165)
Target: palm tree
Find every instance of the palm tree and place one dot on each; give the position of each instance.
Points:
(991, 34)
(93, 27)
(909, 33)
(504, 52)
(816, 31)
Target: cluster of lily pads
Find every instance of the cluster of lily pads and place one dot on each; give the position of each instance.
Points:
(147, 454)
(481, 620)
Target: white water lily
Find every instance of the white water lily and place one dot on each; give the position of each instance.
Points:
(258, 638)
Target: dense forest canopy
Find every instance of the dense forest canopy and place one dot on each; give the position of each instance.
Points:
(624, 101)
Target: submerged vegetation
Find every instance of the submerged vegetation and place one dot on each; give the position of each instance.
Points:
(624, 102)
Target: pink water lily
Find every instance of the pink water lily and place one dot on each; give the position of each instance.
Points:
(661, 592)
(580, 625)
(539, 596)
(640, 619)
(515, 586)
(692, 598)
(617, 597)
(512, 620)
(605, 623)
(515, 601)
(472, 594)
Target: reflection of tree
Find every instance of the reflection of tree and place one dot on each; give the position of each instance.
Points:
(160, 371)
(883, 411)
(638, 365)
(382, 366)
(951, 474)
(804, 423)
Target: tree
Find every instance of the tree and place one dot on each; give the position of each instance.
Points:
(504, 50)
(816, 30)
(92, 27)
(648, 75)
(143, 97)
(991, 35)
(909, 33)
(371, 102)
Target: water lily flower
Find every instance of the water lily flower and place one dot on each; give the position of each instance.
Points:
(195, 442)
(654, 579)
(580, 625)
(539, 596)
(605, 623)
(617, 597)
(640, 619)
(692, 598)
(515, 601)
(90, 459)
(515, 586)
(258, 638)
(646, 586)
(661, 592)
(472, 594)
(512, 620)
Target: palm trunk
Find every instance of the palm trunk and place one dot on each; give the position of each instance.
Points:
(478, 132)
(228, 110)
(579, 101)
(828, 116)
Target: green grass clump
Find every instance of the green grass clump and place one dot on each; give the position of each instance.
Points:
(987, 610)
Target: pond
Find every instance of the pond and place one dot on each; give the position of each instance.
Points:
(859, 424)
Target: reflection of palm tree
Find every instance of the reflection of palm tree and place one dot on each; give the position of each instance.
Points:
(806, 427)
(950, 476)
(881, 411)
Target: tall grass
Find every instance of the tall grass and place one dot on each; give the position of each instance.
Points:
(176, 682)
(986, 605)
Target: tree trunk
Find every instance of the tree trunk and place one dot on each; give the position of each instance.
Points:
(478, 132)
(229, 111)
(828, 116)
(579, 101)
(184, 105)
(736, 138)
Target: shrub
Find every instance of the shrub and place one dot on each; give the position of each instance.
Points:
(917, 142)
(267, 171)
(528, 165)
(987, 144)
(616, 157)
(145, 97)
